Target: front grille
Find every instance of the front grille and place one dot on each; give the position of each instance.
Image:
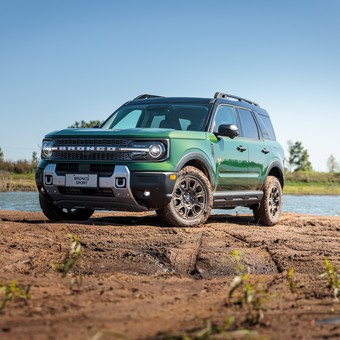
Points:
(92, 141)
(86, 192)
(91, 155)
(74, 168)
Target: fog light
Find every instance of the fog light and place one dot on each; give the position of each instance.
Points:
(173, 177)
(146, 193)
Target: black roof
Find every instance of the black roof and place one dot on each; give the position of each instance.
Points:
(222, 97)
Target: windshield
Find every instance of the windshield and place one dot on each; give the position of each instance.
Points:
(181, 116)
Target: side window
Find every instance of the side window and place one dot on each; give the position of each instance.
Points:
(248, 125)
(156, 121)
(184, 123)
(224, 115)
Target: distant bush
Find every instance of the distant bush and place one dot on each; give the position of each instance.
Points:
(313, 177)
(21, 166)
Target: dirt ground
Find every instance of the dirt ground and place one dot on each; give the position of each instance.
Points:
(146, 281)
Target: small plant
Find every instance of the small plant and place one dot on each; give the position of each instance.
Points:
(333, 278)
(292, 282)
(70, 261)
(11, 292)
(250, 296)
(227, 331)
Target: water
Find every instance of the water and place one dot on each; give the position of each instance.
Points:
(315, 205)
(23, 201)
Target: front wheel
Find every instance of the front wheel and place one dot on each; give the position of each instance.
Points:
(56, 214)
(269, 211)
(191, 201)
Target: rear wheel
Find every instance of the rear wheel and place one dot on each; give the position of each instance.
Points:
(269, 211)
(191, 201)
(55, 214)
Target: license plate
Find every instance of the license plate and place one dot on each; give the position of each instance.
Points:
(79, 180)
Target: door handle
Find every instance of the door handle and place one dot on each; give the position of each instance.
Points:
(265, 151)
(241, 148)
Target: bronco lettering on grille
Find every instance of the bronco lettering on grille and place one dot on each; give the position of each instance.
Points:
(86, 148)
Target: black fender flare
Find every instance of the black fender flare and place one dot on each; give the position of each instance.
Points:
(279, 166)
(196, 156)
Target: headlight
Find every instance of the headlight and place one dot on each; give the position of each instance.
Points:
(46, 149)
(157, 151)
(147, 150)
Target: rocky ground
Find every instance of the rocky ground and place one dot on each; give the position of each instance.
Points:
(146, 281)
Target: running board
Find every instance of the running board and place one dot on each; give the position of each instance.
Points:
(225, 199)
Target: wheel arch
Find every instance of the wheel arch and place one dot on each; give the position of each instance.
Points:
(198, 161)
(276, 170)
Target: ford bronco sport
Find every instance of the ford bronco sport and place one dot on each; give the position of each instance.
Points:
(178, 156)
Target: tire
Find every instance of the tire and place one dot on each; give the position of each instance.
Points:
(191, 201)
(56, 214)
(269, 211)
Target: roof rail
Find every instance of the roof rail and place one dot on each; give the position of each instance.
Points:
(146, 96)
(227, 96)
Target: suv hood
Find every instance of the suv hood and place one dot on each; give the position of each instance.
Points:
(126, 133)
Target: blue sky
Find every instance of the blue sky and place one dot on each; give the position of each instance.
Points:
(65, 61)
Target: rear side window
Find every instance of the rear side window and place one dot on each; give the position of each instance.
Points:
(248, 125)
(266, 127)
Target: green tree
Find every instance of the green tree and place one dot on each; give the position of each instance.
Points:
(298, 157)
(83, 124)
(332, 164)
(1, 155)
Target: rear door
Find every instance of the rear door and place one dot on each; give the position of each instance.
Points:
(256, 148)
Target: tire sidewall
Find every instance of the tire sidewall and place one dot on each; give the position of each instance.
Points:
(176, 218)
(266, 217)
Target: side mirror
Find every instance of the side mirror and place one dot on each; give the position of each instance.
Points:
(228, 130)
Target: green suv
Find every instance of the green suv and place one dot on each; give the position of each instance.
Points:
(181, 157)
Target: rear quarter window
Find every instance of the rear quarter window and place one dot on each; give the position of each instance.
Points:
(266, 127)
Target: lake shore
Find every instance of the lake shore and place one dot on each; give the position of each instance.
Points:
(296, 183)
(290, 188)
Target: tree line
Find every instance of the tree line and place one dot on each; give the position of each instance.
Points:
(24, 166)
(21, 166)
(298, 159)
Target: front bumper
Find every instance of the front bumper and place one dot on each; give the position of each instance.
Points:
(123, 190)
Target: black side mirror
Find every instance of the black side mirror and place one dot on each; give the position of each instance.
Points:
(228, 130)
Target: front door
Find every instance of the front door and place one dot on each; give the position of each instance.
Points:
(230, 154)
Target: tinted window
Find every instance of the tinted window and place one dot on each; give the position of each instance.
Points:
(129, 121)
(224, 115)
(248, 125)
(266, 127)
(182, 116)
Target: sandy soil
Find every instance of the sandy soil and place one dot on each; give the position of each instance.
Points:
(146, 281)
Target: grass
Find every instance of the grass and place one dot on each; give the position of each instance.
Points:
(333, 277)
(312, 183)
(250, 296)
(70, 261)
(11, 292)
(23, 182)
(17, 182)
(313, 188)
